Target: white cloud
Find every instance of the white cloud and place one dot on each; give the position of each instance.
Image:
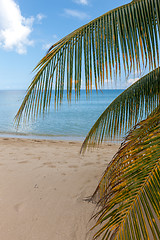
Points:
(76, 14)
(39, 17)
(55, 36)
(46, 46)
(83, 2)
(14, 28)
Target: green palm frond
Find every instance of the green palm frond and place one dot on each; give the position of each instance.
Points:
(130, 107)
(129, 190)
(124, 39)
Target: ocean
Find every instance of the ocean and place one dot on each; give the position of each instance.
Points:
(71, 121)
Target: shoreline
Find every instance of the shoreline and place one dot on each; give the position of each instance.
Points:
(41, 137)
(43, 186)
(52, 137)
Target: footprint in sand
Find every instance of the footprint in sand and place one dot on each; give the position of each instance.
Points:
(72, 143)
(18, 207)
(73, 166)
(28, 154)
(98, 162)
(88, 164)
(49, 164)
(37, 141)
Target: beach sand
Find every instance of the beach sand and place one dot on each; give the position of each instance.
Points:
(43, 184)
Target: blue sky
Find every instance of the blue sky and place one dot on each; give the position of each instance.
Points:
(29, 27)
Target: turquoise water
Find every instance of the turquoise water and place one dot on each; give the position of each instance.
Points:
(71, 121)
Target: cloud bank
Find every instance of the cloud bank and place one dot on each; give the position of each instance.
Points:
(14, 28)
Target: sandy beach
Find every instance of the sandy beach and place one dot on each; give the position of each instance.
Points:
(43, 184)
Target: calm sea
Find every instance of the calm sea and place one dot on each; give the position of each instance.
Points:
(71, 121)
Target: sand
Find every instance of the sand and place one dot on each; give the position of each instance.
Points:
(43, 184)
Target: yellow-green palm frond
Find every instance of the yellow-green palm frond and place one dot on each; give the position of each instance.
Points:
(130, 107)
(124, 39)
(129, 191)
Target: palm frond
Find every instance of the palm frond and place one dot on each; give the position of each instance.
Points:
(129, 191)
(124, 39)
(130, 107)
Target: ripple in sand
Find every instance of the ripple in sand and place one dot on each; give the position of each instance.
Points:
(88, 164)
(49, 164)
(23, 162)
(73, 166)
